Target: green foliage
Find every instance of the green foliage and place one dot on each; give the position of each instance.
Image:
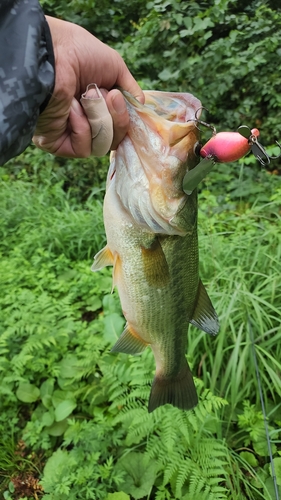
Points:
(42, 218)
(85, 409)
(81, 178)
(224, 53)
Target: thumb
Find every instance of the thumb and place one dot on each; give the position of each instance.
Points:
(99, 118)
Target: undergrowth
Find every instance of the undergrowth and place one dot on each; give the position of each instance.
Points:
(74, 421)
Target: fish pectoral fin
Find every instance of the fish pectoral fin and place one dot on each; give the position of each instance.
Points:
(117, 271)
(155, 265)
(178, 391)
(102, 259)
(204, 315)
(129, 342)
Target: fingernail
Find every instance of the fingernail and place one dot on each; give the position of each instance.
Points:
(118, 104)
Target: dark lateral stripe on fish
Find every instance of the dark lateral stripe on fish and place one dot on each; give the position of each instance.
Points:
(178, 391)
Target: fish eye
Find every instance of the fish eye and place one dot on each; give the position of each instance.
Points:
(197, 148)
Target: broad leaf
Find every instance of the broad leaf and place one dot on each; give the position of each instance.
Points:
(64, 409)
(113, 326)
(249, 458)
(57, 428)
(277, 468)
(140, 474)
(28, 393)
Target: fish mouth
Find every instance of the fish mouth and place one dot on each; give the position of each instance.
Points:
(172, 116)
(154, 157)
(172, 106)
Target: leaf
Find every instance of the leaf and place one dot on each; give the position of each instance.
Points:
(46, 391)
(11, 487)
(261, 448)
(109, 304)
(140, 474)
(249, 458)
(59, 396)
(277, 468)
(28, 393)
(47, 387)
(113, 327)
(56, 466)
(271, 488)
(48, 418)
(68, 367)
(94, 304)
(57, 428)
(64, 409)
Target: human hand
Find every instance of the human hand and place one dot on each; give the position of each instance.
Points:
(80, 58)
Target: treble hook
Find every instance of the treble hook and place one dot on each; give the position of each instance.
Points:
(260, 153)
(196, 120)
(256, 147)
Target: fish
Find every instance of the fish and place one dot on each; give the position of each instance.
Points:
(152, 242)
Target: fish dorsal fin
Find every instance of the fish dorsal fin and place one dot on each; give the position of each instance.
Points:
(204, 315)
(102, 259)
(129, 342)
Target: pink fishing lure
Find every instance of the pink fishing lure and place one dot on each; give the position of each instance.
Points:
(227, 146)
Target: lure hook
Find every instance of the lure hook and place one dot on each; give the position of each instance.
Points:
(257, 148)
(205, 124)
(260, 153)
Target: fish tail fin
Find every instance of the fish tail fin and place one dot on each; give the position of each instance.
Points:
(178, 391)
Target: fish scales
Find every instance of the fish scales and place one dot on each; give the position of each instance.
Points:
(151, 228)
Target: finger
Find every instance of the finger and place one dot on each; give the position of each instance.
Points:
(99, 118)
(118, 110)
(78, 140)
(74, 140)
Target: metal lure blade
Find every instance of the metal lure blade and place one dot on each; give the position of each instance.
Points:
(195, 176)
(244, 131)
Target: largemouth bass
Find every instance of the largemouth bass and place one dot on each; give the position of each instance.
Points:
(151, 228)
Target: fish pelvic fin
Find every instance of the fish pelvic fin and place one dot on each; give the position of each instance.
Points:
(178, 391)
(102, 259)
(204, 315)
(129, 342)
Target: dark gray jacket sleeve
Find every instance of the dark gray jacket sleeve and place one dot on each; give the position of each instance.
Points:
(27, 73)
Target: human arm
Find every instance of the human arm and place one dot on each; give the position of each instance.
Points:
(26, 73)
(32, 96)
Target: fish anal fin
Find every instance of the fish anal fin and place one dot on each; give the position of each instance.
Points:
(129, 342)
(155, 264)
(178, 391)
(204, 315)
(102, 259)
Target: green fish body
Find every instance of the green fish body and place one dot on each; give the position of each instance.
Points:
(151, 228)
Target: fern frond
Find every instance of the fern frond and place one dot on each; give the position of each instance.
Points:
(184, 470)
